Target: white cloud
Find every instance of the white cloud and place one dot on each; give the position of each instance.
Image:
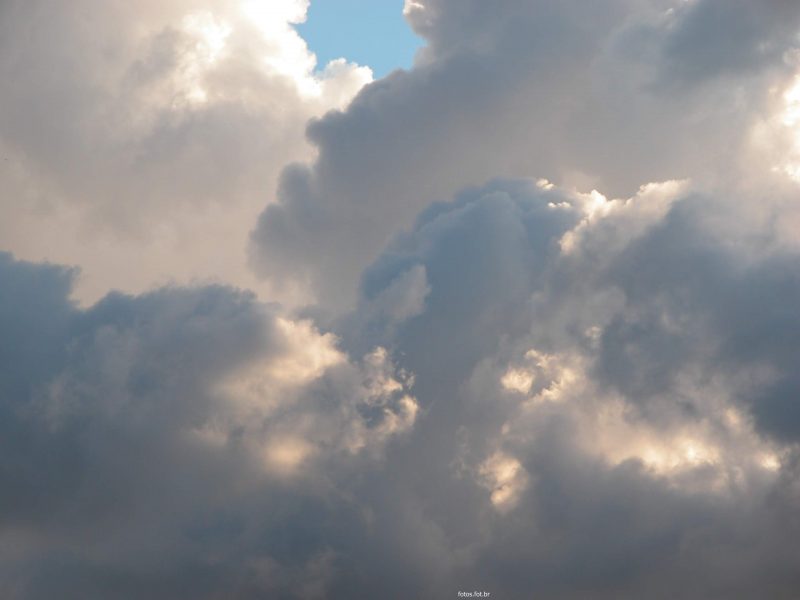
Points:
(151, 135)
(505, 478)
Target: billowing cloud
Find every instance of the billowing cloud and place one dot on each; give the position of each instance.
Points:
(527, 322)
(602, 376)
(610, 96)
(127, 426)
(145, 134)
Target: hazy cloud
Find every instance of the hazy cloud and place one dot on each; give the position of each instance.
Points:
(457, 374)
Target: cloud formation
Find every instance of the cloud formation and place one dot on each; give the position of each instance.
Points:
(151, 437)
(609, 96)
(143, 134)
(527, 322)
(590, 370)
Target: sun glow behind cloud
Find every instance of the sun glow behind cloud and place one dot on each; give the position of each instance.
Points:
(284, 53)
(791, 120)
(610, 429)
(212, 36)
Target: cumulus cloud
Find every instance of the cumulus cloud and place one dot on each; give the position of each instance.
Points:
(610, 96)
(146, 134)
(162, 430)
(591, 372)
(530, 319)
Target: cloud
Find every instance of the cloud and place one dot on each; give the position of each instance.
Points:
(143, 135)
(528, 320)
(589, 374)
(598, 96)
(147, 437)
(702, 48)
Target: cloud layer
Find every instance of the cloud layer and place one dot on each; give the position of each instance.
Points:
(526, 319)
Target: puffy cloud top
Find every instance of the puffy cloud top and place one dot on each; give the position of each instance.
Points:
(523, 318)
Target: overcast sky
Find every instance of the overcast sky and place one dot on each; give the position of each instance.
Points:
(520, 315)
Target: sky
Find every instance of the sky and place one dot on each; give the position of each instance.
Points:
(369, 33)
(287, 313)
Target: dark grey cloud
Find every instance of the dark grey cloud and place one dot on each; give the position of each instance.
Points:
(692, 301)
(93, 407)
(717, 38)
(151, 443)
